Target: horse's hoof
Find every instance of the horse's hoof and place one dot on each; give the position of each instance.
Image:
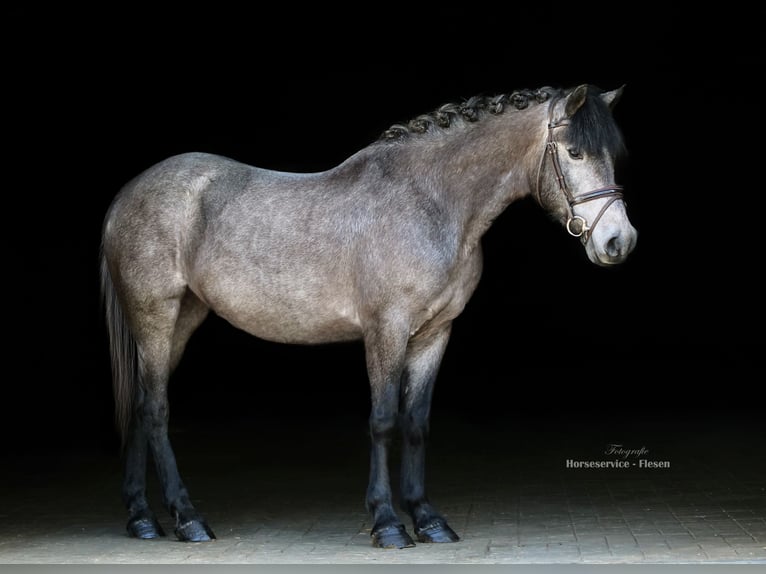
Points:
(392, 537)
(437, 532)
(194, 530)
(145, 528)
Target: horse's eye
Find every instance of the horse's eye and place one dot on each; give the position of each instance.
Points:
(574, 153)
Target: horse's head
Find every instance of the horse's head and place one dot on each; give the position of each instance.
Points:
(575, 180)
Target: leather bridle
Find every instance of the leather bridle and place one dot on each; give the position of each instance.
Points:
(613, 192)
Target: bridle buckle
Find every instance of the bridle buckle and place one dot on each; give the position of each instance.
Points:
(584, 226)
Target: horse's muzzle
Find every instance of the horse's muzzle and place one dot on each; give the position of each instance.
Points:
(612, 245)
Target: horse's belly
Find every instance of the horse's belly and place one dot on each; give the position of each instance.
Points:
(299, 324)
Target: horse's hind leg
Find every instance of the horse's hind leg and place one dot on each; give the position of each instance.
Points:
(422, 364)
(142, 522)
(161, 336)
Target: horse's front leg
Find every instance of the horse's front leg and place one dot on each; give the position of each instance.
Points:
(422, 365)
(385, 349)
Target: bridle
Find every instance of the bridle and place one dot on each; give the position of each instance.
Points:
(614, 192)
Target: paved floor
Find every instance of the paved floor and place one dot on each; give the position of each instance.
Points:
(275, 494)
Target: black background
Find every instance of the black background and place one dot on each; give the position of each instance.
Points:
(675, 332)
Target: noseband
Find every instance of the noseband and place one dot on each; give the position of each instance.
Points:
(614, 192)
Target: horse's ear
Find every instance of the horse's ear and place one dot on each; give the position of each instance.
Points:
(611, 98)
(576, 99)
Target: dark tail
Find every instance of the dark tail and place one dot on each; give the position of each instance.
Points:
(124, 353)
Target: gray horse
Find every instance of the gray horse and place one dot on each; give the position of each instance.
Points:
(383, 248)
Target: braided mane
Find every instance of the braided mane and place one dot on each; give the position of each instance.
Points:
(470, 110)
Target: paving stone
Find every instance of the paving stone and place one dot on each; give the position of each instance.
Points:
(272, 509)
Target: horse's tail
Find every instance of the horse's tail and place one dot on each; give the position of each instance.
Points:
(123, 351)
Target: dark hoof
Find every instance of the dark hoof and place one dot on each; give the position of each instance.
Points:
(437, 532)
(194, 530)
(392, 537)
(145, 527)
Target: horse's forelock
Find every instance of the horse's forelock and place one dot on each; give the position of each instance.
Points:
(593, 129)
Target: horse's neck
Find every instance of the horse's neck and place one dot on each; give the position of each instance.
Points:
(482, 168)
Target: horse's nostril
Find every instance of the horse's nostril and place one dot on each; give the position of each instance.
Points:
(614, 247)
(620, 245)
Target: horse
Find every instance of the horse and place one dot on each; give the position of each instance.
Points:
(384, 248)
